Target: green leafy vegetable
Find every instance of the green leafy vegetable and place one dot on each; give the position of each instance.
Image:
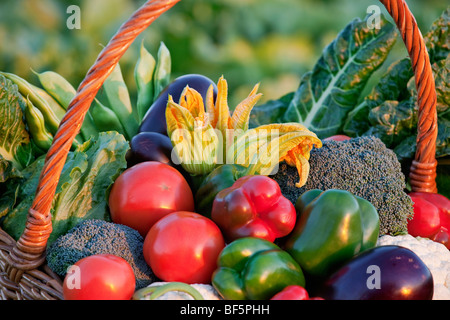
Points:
(391, 87)
(390, 111)
(332, 89)
(15, 148)
(438, 37)
(83, 186)
(441, 73)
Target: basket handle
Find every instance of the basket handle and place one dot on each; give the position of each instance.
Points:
(29, 251)
(423, 169)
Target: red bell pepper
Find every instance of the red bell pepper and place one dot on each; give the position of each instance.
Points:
(431, 217)
(294, 292)
(253, 207)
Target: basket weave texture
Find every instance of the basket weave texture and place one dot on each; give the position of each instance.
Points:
(23, 271)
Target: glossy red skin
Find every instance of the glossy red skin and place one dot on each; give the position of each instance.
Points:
(146, 192)
(294, 292)
(403, 276)
(338, 137)
(183, 246)
(101, 277)
(253, 207)
(441, 202)
(426, 220)
(442, 236)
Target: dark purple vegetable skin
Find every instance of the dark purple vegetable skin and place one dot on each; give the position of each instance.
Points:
(403, 276)
(153, 146)
(149, 146)
(155, 119)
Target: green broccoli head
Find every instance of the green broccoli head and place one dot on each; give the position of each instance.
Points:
(363, 166)
(94, 236)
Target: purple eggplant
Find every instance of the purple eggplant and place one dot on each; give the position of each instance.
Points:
(381, 273)
(155, 118)
(149, 146)
(154, 146)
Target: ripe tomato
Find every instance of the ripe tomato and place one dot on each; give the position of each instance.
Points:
(338, 137)
(183, 246)
(100, 277)
(146, 192)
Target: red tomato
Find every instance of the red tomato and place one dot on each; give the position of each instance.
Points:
(426, 220)
(100, 277)
(338, 137)
(183, 246)
(146, 192)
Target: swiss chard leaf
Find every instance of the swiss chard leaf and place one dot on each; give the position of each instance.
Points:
(441, 75)
(270, 112)
(332, 89)
(390, 111)
(392, 86)
(438, 37)
(393, 121)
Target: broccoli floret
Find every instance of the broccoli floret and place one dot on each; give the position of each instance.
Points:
(363, 166)
(94, 236)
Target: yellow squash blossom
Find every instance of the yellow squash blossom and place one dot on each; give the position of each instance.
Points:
(204, 135)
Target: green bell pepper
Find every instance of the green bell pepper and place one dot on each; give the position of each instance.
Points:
(254, 269)
(332, 226)
(220, 178)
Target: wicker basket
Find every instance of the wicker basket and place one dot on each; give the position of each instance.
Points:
(23, 271)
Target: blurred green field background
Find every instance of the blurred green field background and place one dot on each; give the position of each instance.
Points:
(248, 41)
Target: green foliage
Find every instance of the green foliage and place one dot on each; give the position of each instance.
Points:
(15, 149)
(327, 93)
(83, 186)
(390, 111)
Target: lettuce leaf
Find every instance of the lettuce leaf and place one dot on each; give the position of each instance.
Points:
(15, 147)
(83, 187)
(332, 89)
